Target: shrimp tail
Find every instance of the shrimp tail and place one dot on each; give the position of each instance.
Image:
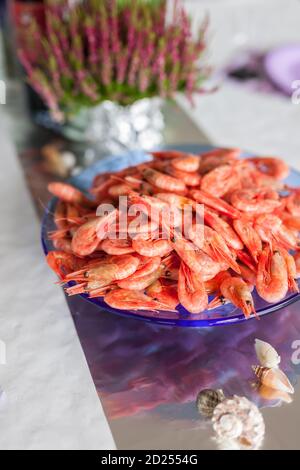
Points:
(221, 255)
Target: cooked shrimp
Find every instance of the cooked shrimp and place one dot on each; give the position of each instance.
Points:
(255, 201)
(220, 180)
(215, 203)
(293, 204)
(123, 299)
(271, 229)
(86, 239)
(116, 246)
(60, 216)
(297, 263)
(191, 290)
(68, 193)
(107, 270)
(213, 286)
(213, 244)
(249, 236)
(141, 282)
(271, 166)
(272, 276)
(150, 247)
(215, 158)
(63, 263)
(224, 229)
(187, 163)
(164, 292)
(190, 179)
(163, 181)
(238, 293)
(170, 154)
(248, 275)
(291, 270)
(63, 244)
(197, 260)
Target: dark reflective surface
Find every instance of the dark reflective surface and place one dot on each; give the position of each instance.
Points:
(148, 376)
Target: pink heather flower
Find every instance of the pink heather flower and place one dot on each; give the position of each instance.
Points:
(112, 47)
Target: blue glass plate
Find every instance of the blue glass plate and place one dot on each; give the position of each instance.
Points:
(227, 314)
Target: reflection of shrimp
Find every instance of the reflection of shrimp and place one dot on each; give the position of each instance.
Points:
(271, 166)
(255, 201)
(249, 236)
(191, 290)
(272, 276)
(123, 299)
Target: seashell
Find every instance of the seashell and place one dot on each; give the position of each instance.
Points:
(238, 422)
(207, 400)
(268, 393)
(273, 378)
(266, 354)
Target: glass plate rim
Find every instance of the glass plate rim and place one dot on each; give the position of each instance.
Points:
(138, 315)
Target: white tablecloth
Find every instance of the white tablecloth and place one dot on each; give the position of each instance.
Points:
(50, 400)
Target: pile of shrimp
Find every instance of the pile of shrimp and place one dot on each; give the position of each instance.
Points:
(248, 237)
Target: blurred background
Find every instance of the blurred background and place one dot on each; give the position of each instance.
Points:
(248, 62)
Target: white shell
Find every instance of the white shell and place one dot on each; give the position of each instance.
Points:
(266, 354)
(237, 422)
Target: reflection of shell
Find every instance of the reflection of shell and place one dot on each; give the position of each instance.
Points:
(266, 354)
(207, 400)
(240, 422)
(273, 378)
(268, 393)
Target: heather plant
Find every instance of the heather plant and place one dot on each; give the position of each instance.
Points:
(117, 50)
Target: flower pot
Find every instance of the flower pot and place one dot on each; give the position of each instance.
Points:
(112, 128)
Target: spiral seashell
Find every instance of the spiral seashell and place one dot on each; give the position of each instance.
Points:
(273, 378)
(268, 393)
(266, 354)
(207, 400)
(238, 422)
